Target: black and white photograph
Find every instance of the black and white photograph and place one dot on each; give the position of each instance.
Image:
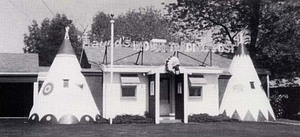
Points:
(145, 68)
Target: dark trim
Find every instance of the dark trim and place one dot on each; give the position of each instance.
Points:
(224, 76)
(263, 71)
(92, 73)
(18, 78)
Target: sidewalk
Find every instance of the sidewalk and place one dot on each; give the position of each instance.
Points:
(286, 121)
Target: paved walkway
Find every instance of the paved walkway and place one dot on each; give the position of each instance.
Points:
(286, 121)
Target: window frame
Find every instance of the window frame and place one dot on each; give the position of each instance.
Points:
(252, 85)
(66, 83)
(196, 85)
(128, 86)
(201, 91)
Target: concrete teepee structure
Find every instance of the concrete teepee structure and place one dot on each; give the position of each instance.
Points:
(64, 97)
(244, 97)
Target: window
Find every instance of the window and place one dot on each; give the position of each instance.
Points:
(129, 83)
(252, 85)
(152, 88)
(128, 91)
(179, 88)
(196, 84)
(195, 91)
(66, 83)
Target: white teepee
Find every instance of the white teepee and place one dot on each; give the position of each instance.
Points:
(65, 96)
(244, 97)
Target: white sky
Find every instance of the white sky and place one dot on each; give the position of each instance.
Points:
(13, 23)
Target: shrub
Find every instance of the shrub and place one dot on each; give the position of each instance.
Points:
(201, 118)
(277, 102)
(295, 117)
(131, 119)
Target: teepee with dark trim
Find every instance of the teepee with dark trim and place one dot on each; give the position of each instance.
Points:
(244, 97)
(64, 97)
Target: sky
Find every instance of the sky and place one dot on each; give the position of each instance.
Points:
(17, 15)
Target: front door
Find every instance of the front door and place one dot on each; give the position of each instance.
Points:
(165, 103)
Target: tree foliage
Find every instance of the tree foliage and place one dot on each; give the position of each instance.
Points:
(279, 38)
(47, 38)
(228, 16)
(202, 15)
(142, 24)
(273, 26)
(101, 27)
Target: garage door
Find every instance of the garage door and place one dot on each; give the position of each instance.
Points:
(16, 99)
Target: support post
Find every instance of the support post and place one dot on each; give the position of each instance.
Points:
(35, 91)
(111, 61)
(268, 86)
(157, 93)
(104, 98)
(210, 57)
(185, 97)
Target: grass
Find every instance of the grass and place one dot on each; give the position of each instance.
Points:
(239, 129)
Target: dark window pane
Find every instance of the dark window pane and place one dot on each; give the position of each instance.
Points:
(252, 85)
(195, 91)
(128, 91)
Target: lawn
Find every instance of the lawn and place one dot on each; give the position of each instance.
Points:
(239, 129)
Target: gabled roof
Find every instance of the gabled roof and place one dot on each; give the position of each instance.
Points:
(95, 55)
(19, 63)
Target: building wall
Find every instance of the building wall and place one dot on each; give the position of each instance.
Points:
(94, 81)
(209, 102)
(115, 104)
(223, 81)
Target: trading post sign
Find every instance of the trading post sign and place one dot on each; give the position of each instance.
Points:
(161, 45)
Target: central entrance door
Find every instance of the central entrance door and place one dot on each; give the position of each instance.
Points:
(165, 103)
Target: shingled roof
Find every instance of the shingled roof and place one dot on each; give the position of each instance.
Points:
(18, 63)
(95, 55)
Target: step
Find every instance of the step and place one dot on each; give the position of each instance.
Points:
(171, 121)
(167, 118)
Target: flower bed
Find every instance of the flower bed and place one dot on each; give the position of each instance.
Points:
(131, 119)
(200, 118)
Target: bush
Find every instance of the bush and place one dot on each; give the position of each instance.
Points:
(131, 119)
(278, 104)
(295, 117)
(201, 118)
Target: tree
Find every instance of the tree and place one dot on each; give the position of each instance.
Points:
(101, 27)
(139, 25)
(273, 26)
(229, 16)
(279, 38)
(47, 38)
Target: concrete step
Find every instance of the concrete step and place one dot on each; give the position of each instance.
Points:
(166, 118)
(169, 119)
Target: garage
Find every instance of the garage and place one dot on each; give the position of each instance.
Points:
(18, 84)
